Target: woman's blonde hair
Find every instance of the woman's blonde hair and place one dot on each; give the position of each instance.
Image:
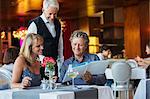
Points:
(26, 48)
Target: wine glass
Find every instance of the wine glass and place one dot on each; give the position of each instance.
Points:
(72, 74)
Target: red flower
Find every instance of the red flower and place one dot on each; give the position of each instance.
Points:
(49, 62)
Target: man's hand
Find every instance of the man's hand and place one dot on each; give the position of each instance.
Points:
(87, 77)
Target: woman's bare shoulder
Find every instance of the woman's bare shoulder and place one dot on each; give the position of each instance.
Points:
(20, 60)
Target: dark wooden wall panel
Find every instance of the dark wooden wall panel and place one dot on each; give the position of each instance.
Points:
(137, 28)
(132, 31)
(144, 14)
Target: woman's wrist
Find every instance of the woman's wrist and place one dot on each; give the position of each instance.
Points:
(21, 85)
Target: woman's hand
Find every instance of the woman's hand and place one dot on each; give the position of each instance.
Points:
(143, 64)
(26, 82)
(87, 77)
(138, 59)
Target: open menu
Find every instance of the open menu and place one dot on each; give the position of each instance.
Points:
(94, 67)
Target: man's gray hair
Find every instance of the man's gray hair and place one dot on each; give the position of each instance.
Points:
(80, 34)
(50, 3)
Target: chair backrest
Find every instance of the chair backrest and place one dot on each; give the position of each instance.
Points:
(5, 78)
(132, 63)
(121, 72)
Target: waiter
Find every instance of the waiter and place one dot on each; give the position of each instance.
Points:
(49, 27)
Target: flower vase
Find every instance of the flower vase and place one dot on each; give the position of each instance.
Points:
(51, 82)
(49, 74)
(49, 64)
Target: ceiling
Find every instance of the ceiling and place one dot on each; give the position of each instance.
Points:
(68, 8)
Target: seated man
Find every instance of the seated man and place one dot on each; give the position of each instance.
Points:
(79, 43)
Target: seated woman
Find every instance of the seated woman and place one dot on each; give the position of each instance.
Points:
(79, 43)
(105, 53)
(144, 62)
(26, 71)
(9, 58)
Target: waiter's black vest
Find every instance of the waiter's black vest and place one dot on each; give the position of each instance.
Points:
(50, 43)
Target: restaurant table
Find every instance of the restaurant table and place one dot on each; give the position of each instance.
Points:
(140, 92)
(136, 73)
(84, 92)
(143, 90)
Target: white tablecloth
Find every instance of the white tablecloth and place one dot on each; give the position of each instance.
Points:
(104, 92)
(43, 94)
(137, 73)
(141, 90)
(6, 93)
(57, 95)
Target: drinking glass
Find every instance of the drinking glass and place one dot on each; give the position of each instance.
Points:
(72, 74)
